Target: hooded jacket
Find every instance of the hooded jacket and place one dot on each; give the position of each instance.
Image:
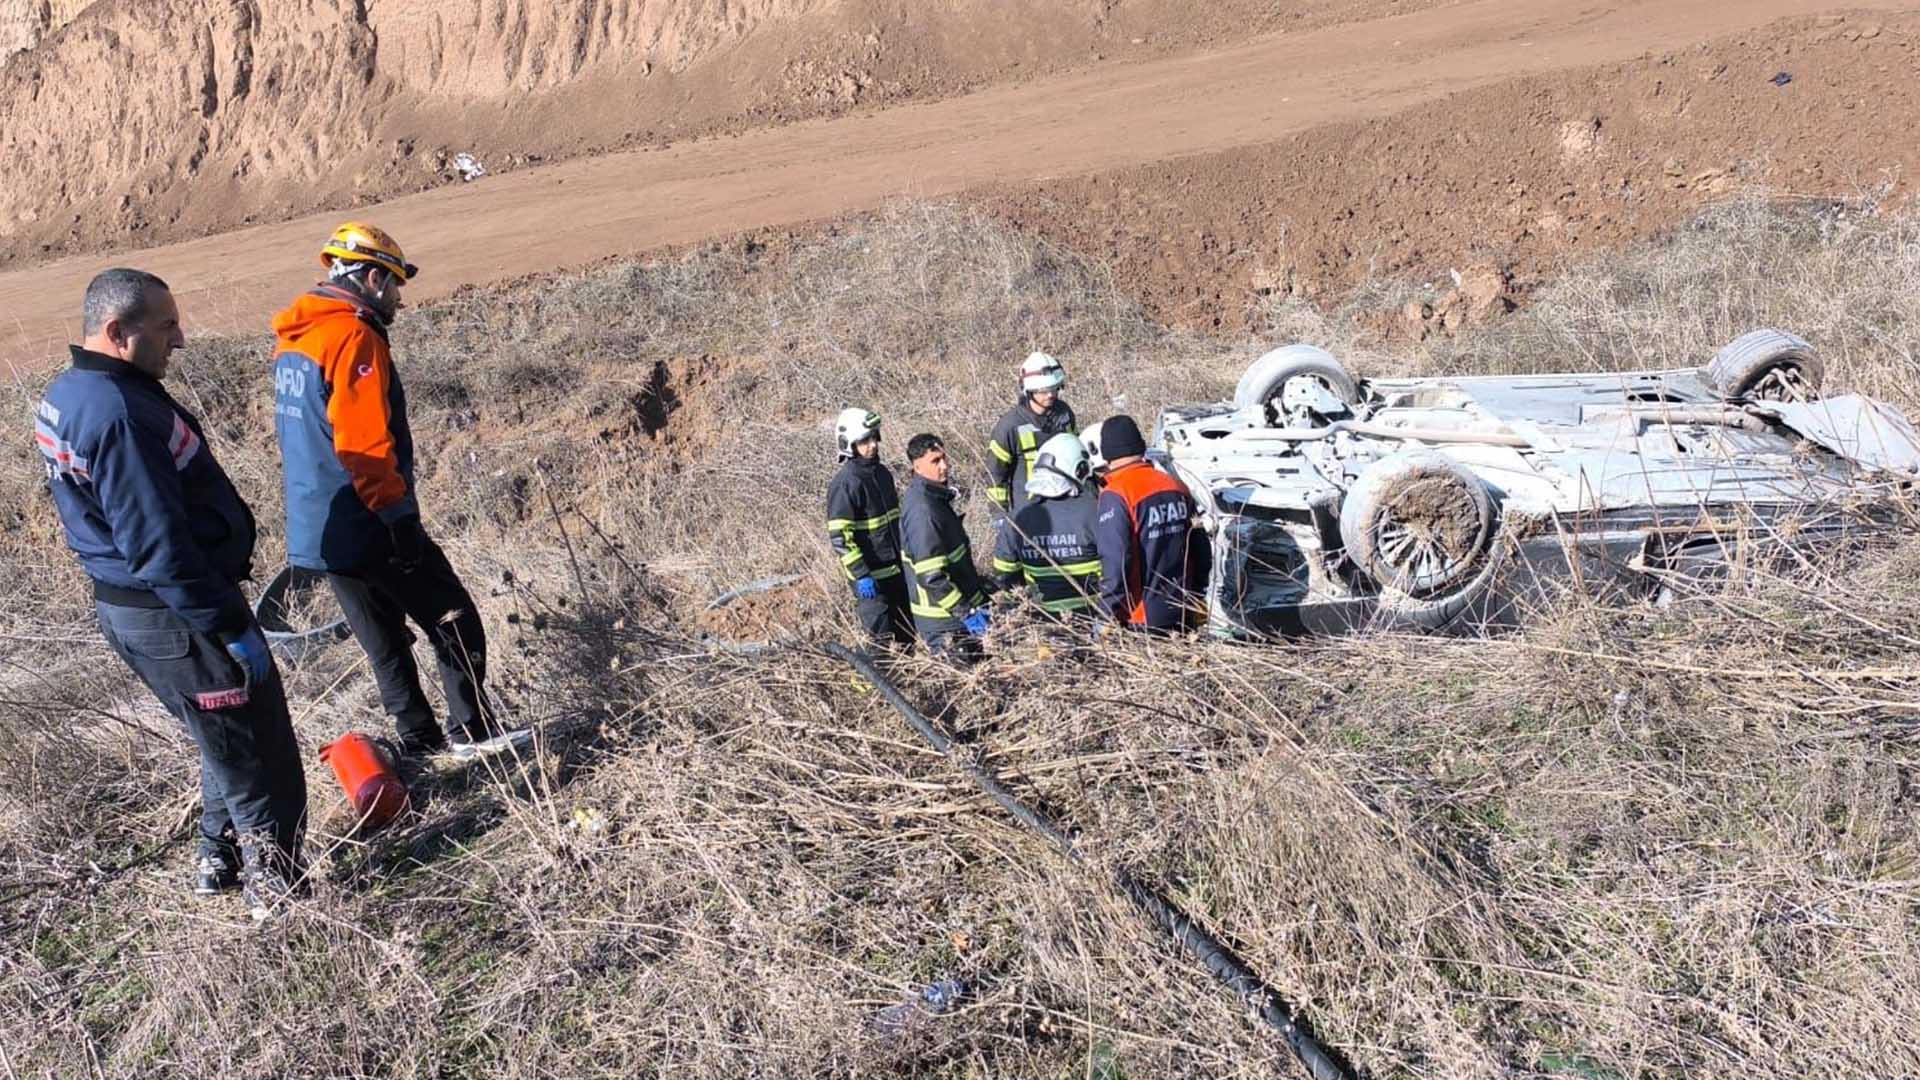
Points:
(151, 515)
(346, 451)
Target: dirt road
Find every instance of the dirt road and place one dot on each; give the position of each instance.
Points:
(582, 211)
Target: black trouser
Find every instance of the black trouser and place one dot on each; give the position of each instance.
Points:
(885, 616)
(377, 600)
(252, 785)
(948, 639)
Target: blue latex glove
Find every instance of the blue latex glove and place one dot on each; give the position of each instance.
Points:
(865, 588)
(250, 651)
(976, 623)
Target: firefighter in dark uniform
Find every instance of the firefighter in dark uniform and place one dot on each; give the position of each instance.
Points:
(863, 528)
(158, 526)
(1154, 561)
(945, 592)
(1016, 440)
(1057, 547)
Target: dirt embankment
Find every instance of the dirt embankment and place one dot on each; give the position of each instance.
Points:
(141, 122)
(1502, 182)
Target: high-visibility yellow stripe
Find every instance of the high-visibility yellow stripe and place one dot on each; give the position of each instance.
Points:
(999, 494)
(936, 562)
(933, 609)
(884, 573)
(864, 524)
(1005, 455)
(852, 556)
(1005, 566)
(1069, 603)
(1079, 569)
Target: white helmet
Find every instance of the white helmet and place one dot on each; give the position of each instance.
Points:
(1060, 468)
(1041, 372)
(1096, 461)
(854, 426)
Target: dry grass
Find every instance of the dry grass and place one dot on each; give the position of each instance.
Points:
(1627, 842)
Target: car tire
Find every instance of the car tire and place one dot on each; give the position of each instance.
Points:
(1418, 524)
(1766, 365)
(1265, 377)
(1396, 612)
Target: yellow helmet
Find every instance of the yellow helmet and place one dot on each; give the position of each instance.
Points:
(356, 241)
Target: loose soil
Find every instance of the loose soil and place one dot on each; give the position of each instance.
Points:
(1460, 157)
(146, 121)
(1500, 184)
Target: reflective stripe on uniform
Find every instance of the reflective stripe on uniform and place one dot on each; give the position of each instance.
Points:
(999, 494)
(1029, 448)
(884, 573)
(864, 525)
(1005, 566)
(1001, 452)
(1079, 569)
(940, 562)
(1067, 603)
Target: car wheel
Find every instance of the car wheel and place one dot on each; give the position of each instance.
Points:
(1766, 365)
(1266, 378)
(1396, 612)
(1418, 523)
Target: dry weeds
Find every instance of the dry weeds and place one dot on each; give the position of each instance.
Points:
(1626, 842)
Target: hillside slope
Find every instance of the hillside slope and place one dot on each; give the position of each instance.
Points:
(149, 120)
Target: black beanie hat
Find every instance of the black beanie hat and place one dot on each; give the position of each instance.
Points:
(1120, 437)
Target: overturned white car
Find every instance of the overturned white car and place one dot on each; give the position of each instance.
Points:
(1337, 504)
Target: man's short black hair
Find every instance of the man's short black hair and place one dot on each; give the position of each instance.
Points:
(120, 293)
(923, 444)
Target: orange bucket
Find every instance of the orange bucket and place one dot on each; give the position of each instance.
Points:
(367, 776)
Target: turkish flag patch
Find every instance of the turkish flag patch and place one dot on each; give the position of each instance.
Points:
(215, 700)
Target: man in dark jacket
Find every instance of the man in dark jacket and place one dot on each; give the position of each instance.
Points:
(166, 539)
(1155, 562)
(1055, 530)
(863, 528)
(946, 594)
(1039, 415)
(346, 451)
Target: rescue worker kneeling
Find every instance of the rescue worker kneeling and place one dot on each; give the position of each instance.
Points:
(1055, 532)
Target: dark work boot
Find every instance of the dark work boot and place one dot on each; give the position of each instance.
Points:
(270, 881)
(215, 873)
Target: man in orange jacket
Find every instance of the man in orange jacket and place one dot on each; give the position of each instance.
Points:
(347, 454)
(1153, 563)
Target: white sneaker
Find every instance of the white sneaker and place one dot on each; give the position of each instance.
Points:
(517, 741)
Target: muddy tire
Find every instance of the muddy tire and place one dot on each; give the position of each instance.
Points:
(1266, 377)
(1766, 365)
(1418, 524)
(1396, 612)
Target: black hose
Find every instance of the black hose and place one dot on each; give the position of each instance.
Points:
(1226, 968)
